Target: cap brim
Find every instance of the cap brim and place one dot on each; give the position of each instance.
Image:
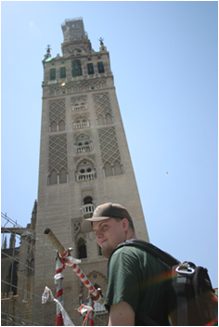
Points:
(86, 225)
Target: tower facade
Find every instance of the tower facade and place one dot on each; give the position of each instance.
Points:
(84, 162)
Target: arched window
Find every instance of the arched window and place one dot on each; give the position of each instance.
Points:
(54, 127)
(88, 200)
(85, 171)
(117, 168)
(79, 104)
(100, 120)
(53, 177)
(108, 119)
(83, 143)
(63, 176)
(81, 122)
(108, 169)
(81, 247)
(90, 68)
(76, 68)
(61, 125)
(100, 67)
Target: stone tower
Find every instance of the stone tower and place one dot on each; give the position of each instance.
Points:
(84, 162)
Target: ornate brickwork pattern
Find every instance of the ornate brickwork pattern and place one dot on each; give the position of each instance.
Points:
(84, 86)
(102, 104)
(56, 110)
(109, 145)
(58, 152)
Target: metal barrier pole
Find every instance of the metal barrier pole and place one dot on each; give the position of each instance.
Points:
(59, 290)
(71, 262)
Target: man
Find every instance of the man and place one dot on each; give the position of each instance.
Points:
(133, 275)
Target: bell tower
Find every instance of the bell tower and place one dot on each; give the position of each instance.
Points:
(84, 162)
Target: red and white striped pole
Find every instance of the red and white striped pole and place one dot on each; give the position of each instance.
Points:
(66, 259)
(59, 290)
(85, 281)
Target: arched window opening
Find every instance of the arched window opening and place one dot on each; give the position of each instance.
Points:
(100, 67)
(108, 169)
(109, 119)
(54, 127)
(88, 200)
(62, 72)
(61, 125)
(52, 75)
(90, 68)
(53, 177)
(79, 104)
(85, 145)
(82, 250)
(76, 68)
(81, 122)
(117, 168)
(100, 120)
(85, 171)
(63, 176)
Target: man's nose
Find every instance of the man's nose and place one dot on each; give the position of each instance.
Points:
(99, 233)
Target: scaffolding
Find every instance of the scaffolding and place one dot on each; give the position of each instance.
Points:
(21, 303)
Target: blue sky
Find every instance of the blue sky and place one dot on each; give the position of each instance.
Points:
(164, 60)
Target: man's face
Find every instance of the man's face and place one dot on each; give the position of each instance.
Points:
(109, 233)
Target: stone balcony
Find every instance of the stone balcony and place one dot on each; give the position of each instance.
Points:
(80, 177)
(83, 148)
(78, 108)
(87, 210)
(81, 125)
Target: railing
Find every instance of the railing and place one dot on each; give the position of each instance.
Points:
(83, 148)
(81, 125)
(87, 209)
(77, 108)
(86, 176)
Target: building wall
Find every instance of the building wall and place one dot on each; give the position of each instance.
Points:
(60, 204)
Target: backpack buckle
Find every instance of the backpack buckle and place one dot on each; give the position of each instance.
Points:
(185, 268)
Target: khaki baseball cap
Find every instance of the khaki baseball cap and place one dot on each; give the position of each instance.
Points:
(103, 212)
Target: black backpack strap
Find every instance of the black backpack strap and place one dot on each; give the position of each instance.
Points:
(148, 247)
(143, 320)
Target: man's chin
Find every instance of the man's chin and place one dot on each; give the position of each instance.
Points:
(107, 252)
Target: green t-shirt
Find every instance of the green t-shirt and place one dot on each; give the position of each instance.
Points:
(138, 278)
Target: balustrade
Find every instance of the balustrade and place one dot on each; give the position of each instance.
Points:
(83, 148)
(87, 209)
(86, 176)
(81, 125)
(77, 108)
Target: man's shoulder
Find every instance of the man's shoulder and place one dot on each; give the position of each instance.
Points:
(140, 250)
(129, 248)
(132, 245)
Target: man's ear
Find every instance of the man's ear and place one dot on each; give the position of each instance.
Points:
(125, 224)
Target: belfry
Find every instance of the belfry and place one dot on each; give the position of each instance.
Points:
(84, 162)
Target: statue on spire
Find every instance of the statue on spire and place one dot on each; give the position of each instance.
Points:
(101, 41)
